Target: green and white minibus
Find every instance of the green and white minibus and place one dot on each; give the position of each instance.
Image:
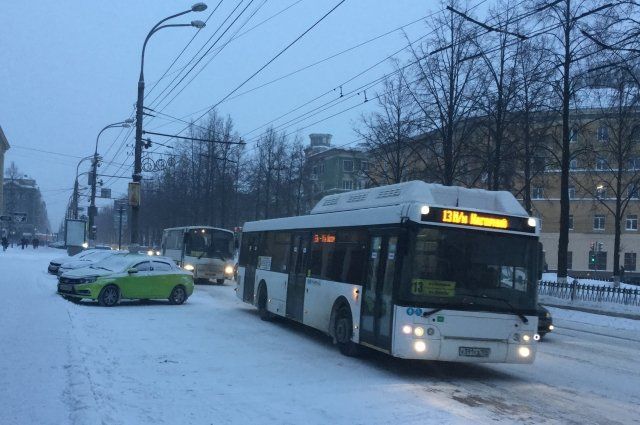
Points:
(416, 270)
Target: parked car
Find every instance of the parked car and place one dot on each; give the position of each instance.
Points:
(545, 321)
(127, 276)
(95, 256)
(55, 264)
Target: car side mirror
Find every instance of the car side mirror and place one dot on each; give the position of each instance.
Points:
(132, 271)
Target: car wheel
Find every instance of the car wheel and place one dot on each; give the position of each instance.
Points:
(343, 332)
(178, 295)
(263, 311)
(109, 296)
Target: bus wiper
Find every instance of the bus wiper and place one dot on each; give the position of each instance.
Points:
(513, 309)
(430, 313)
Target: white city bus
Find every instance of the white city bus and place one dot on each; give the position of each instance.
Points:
(416, 270)
(205, 251)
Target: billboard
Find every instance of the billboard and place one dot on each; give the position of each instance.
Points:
(75, 232)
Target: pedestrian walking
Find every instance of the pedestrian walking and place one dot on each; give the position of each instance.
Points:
(5, 243)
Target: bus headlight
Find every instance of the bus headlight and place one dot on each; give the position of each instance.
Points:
(532, 222)
(418, 331)
(536, 337)
(420, 346)
(551, 327)
(524, 352)
(406, 329)
(189, 267)
(228, 270)
(526, 338)
(424, 210)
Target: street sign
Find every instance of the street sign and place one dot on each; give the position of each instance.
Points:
(19, 217)
(134, 194)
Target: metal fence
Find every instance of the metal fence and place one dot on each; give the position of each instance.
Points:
(594, 293)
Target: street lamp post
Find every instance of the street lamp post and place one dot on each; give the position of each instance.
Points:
(137, 165)
(94, 175)
(75, 187)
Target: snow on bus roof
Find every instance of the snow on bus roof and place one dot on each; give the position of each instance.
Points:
(432, 194)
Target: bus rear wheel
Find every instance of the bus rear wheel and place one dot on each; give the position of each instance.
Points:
(344, 331)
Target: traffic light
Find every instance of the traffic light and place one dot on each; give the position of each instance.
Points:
(592, 258)
(600, 247)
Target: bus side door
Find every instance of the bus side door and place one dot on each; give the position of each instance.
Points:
(377, 304)
(297, 276)
(250, 268)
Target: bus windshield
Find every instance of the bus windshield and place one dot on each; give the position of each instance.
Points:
(208, 243)
(471, 269)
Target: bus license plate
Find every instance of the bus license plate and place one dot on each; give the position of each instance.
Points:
(473, 352)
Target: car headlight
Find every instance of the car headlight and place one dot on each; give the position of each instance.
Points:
(89, 279)
(189, 267)
(150, 252)
(158, 253)
(524, 352)
(228, 270)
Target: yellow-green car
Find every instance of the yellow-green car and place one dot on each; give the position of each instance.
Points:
(127, 276)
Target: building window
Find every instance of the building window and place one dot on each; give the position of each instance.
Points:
(632, 222)
(601, 164)
(601, 192)
(597, 260)
(537, 193)
(347, 165)
(347, 184)
(570, 221)
(364, 165)
(630, 261)
(598, 222)
(572, 192)
(539, 163)
(569, 260)
(603, 134)
(573, 164)
(573, 135)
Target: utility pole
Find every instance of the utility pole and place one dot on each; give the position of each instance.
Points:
(120, 212)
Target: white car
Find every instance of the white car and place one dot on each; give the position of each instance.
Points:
(55, 264)
(85, 261)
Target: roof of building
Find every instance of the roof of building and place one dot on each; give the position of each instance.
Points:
(337, 151)
(419, 192)
(4, 143)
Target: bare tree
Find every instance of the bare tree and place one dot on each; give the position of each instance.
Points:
(445, 92)
(387, 134)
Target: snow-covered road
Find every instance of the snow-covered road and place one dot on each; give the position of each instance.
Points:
(212, 361)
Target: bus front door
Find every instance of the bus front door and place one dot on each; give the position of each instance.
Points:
(297, 276)
(377, 306)
(250, 268)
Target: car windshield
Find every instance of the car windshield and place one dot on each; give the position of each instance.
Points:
(113, 263)
(471, 269)
(208, 243)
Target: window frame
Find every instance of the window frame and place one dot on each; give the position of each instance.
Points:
(631, 218)
(344, 167)
(599, 218)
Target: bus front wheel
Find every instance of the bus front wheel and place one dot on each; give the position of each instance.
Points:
(264, 313)
(344, 331)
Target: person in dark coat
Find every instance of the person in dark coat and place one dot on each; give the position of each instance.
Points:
(35, 243)
(5, 243)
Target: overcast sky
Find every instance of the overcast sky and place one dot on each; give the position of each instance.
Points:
(71, 67)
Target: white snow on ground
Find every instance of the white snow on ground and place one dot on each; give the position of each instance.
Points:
(212, 361)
